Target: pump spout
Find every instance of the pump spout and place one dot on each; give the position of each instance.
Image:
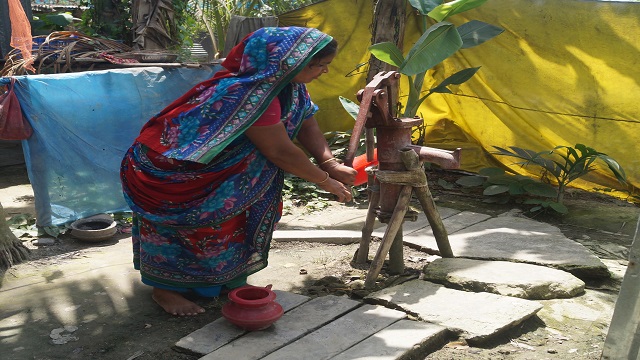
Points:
(446, 159)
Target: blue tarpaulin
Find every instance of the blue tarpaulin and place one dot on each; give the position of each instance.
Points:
(83, 124)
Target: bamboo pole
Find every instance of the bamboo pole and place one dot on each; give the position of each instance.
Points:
(367, 229)
(623, 338)
(395, 223)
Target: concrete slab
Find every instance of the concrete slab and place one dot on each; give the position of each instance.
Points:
(345, 226)
(519, 239)
(421, 222)
(594, 308)
(339, 335)
(341, 237)
(293, 325)
(100, 281)
(336, 217)
(478, 317)
(210, 337)
(401, 340)
(526, 281)
(457, 221)
(423, 239)
(220, 332)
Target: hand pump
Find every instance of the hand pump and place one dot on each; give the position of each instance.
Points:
(400, 172)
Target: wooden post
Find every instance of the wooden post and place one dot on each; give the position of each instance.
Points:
(367, 229)
(623, 338)
(388, 26)
(421, 189)
(396, 253)
(395, 223)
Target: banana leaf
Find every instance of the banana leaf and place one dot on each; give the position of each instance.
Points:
(475, 32)
(387, 52)
(438, 43)
(425, 6)
(455, 79)
(351, 107)
(445, 10)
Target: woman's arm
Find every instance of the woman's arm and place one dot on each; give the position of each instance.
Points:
(274, 143)
(311, 137)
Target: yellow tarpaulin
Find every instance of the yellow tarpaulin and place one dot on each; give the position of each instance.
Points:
(562, 73)
(348, 21)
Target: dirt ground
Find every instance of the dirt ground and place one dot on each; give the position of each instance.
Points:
(603, 224)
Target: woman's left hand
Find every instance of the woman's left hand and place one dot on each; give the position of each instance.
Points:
(337, 188)
(340, 172)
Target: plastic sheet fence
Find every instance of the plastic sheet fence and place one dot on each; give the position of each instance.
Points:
(83, 124)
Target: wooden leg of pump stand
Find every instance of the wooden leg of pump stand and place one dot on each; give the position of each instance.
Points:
(395, 223)
(396, 254)
(421, 187)
(439, 232)
(363, 250)
(373, 189)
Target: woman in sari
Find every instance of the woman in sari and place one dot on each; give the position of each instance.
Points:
(204, 178)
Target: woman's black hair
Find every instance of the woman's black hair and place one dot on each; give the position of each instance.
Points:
(329, 49)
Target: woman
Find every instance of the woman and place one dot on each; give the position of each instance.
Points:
(204, 177)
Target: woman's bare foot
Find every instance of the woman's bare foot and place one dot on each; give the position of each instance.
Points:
(174, 303)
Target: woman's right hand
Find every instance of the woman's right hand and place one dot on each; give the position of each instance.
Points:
(337, 188)
(340, 172)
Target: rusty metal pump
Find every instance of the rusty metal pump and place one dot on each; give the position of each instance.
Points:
(399, 174)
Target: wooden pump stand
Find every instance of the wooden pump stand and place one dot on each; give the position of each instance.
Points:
(400, 173)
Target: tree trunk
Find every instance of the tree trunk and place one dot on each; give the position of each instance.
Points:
(12, 251)
(388, 26)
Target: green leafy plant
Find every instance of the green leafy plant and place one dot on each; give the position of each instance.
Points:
(350, 106)
(564, 164)
(43, 24)
(500, 187)
(298, 192)
(437, 43)
(25, 225)
(340, 140)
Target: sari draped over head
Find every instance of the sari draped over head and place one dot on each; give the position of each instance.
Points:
(205, 200)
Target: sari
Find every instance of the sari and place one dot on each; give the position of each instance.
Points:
(205, 201)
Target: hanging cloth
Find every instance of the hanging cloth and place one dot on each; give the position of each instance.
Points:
(13, 125)
(21, 33)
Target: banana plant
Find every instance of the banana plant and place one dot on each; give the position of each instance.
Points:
(437, 43)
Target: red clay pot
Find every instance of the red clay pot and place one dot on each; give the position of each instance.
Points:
(252, 308)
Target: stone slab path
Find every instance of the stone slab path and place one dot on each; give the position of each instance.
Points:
(417, 317)
(328, 327)
(513, 238)
(332, 327)
(476, 317)
(526, 281)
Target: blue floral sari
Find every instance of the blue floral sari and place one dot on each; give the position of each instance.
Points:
(205, 200)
